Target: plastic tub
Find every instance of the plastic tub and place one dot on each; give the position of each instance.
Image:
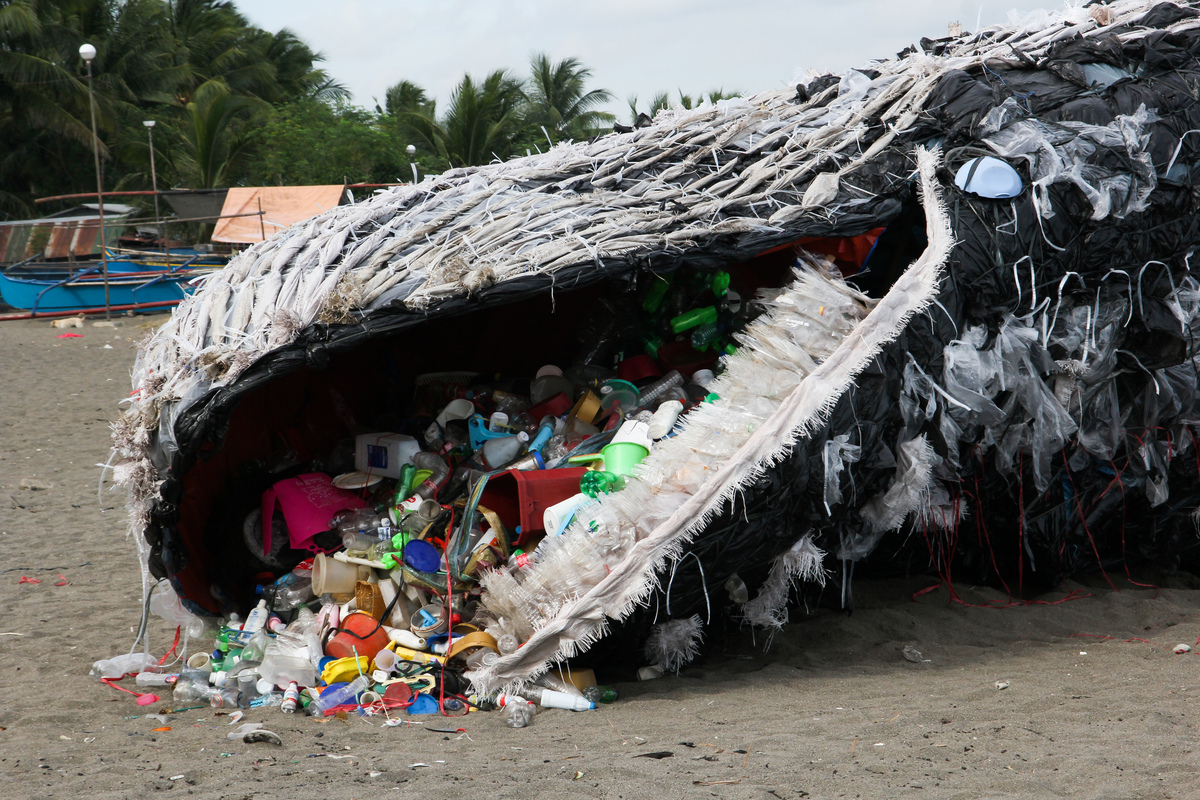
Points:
(521, 497)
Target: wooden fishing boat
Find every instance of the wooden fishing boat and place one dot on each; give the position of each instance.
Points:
(145, 288)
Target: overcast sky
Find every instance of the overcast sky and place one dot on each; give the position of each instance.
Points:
(632, 46)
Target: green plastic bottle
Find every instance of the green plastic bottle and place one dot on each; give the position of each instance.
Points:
(691, 319)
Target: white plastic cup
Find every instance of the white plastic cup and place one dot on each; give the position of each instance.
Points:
(200, 661)
(330, 576)
(386, 661)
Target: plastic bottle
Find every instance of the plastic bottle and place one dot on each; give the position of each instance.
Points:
(437, 466)
(694, 318)
(499, 452)
(257, 620)
(498, 422)
(551, 681)
(548, 698)
(519, 712)
(257, 646)
(345, 694)
(648, 396)
(291, 699)
(544, 432)
(483, 657)
(600, 694)
(290, 591)
(224, 698)
(147, 679)
(122, 665)
(427, 511)
(192, 686)
(268, 700)
(664, 419)
(738, 593)
(507, 643)
(165, 603)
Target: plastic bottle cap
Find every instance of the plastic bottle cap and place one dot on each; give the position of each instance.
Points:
(423, 704)
(422, 556)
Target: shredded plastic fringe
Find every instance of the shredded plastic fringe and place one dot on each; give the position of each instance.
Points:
(678, 493)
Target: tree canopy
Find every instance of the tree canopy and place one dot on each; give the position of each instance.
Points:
(238, 105)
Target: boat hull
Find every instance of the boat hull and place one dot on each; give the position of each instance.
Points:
(43, 295)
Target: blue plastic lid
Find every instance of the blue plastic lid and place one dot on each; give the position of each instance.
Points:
(989, 177)
(423, 704)
(422, 556)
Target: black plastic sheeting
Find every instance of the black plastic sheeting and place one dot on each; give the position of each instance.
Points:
(1070, 449)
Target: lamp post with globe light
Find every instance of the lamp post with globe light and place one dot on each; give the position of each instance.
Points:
(149, 123)
(412, 152)
(87, 52)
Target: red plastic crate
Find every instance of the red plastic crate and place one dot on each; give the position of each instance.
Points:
(519, 497)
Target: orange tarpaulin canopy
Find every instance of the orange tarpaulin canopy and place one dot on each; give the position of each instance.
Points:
(281, 206)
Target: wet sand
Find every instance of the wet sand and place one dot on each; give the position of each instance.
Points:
(832, 709)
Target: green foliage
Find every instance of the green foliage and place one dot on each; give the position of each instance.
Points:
(196, 66)
(559, 101)
(235, 104)
(310, 142)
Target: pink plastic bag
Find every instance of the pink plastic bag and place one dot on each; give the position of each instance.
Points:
(308, 502)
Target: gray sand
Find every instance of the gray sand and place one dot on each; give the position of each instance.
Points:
(831, 710)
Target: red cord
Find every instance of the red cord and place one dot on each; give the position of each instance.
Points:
(1083, 521)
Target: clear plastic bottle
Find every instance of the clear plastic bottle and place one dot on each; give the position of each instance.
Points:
(436, 465)
(551, 681)
(507, 643)
(224, 698)
(600, 694)
(483, 657)
(648, 396)
(345, 694)
(518, 712)
(268, 700)
(427, 512)
(155, 679)
(192, 686)
(738, 592)
(257, 646)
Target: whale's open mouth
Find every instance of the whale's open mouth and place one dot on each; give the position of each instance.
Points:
(809, 333)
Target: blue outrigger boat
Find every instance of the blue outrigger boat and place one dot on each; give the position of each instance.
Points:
(134, 284)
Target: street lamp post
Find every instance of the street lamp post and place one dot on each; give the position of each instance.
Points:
(149, 123)
(412, 152)
(87, 52)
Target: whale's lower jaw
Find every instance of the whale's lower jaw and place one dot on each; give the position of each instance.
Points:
(794, 364)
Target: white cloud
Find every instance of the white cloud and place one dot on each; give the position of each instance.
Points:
(632, 46)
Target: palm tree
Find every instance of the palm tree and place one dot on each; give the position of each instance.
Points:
(558, 102)
(215, 137)
(659, 102)
(483, 121)
(407, 97)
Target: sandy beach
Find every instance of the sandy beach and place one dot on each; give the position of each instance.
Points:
(1096, 704)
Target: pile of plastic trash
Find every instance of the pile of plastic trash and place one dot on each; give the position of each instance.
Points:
(370, 596)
